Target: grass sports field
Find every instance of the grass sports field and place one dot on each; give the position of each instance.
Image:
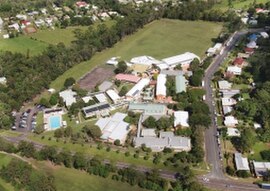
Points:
(237, 4)
(162, 38)
(22, 44)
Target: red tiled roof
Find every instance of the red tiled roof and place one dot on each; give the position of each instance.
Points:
(238, 61)
(128, 78)
(81, 3)
(249, 50)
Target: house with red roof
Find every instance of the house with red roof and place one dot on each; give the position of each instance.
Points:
(240, 62)
(249, 50)
(81, 4)
(128, 78)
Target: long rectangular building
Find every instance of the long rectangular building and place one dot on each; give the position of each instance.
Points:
(137, 89)
(161, 87)
(97, 109)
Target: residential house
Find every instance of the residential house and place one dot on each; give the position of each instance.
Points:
(181, 118)
(224, 85)
(233, 132)
(235, 70)
(230, 121)
(260, 168)
(241, 163)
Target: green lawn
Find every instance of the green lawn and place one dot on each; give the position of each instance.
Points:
(72, 180)
(237, 4)
(56, 36)
(21, 44)
(257, 148)
(4, 160)
(162, 38)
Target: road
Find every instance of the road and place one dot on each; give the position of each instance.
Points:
(211, 145)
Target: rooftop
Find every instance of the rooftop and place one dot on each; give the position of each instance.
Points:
(128, 78)
(241, 163)
(180, 83)
(181, 118)
(149, 109)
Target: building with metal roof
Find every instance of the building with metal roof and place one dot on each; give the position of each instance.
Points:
(180, 83)
(68, 97)
(241, 163)
(128, 78)
(113, 95)
(114, 128)
(148, 109)
(148, 132)
(223, 85)
(96, 110)
(260, 168)
(101, 98)
(137, 89)
(181, 118)
(183, 59)
(161, 87)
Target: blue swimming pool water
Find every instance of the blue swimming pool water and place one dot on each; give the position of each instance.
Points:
(55, 122)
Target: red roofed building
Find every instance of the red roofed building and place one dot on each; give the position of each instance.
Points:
(249, 50)
(81, 4)
(238, 61)
(127, 78)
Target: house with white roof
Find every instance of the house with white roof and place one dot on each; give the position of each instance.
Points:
(227, 109)
(235, 70)
(230, 121)
(137, 89)
(224, 85)
(1, 23)
(241, 163)
(264, 34)
(233, 132)
(114, 128)
(183, 59)
(229, 93)
(86, 99)
(161, 87)
(148, 132)
(260, 168)
(213, 50)
(3, 80)
(181, 118)
(113, 95)
(228, 101)
(68, 97)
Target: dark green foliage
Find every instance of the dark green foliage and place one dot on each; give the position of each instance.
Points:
(92, 131)
(265, 155)
(54, 99)
(150, 122)
(26, 149)
(123, 91)
(243, 173)
(121, 67)
(69, 82)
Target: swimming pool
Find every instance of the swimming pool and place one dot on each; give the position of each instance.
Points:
(55, 122)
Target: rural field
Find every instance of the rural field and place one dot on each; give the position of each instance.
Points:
(56, 36)
(162, 38)
(237, 4)
(22, 44)
(70, 179)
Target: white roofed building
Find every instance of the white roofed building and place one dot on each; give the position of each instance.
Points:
(161, 87)
(228, 101)
(113, 95)
(183, 59)
(114, 128)
(68, 97)
(261, 168)
(235, 70)
(86, 99)
(181, 118)
(137, 89)
(241, 163)
(101, 98)
(223, 85)
(230, 121)
(3, 80)
(145, 60)
(233, 132)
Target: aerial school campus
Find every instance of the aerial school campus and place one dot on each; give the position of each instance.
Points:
(173, 105)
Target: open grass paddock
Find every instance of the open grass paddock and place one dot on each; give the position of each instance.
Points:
(160, 39)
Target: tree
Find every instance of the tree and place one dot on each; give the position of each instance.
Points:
(150, 122)
(247, 139)
(69, 82)
(48, 153)
(121, 67)
(117, 142)
(79, 161)
(26, 149)
(243, 174)
(45, 102)
(39, 129)
(59, 133)
(54, 99)
(92, 131)
(123, 91)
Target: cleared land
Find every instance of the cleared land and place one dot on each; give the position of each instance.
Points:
(22, 44)
(237, 4)
(71, 180)
(159, 39)
(56, 36)
(96, 76)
